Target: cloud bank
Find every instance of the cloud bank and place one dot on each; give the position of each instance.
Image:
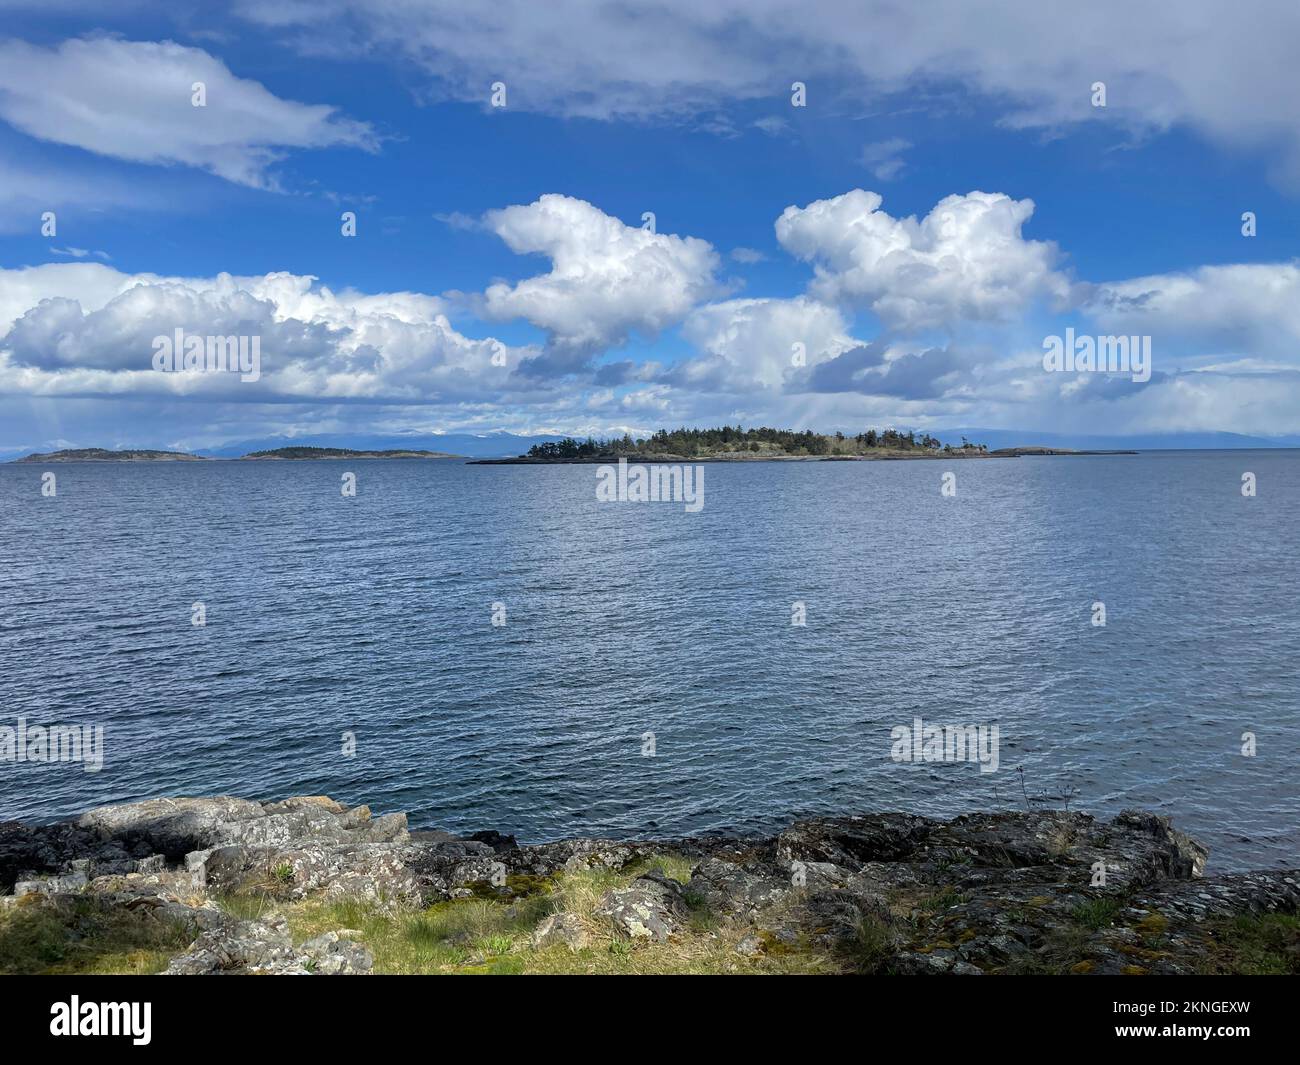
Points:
(1226, 338)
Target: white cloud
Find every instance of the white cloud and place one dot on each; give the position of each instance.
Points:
(458, 220)
(132, 100)
(85, 329)
(607, 279)
(748, 344)
(29, 189)
(885, 158)
(965, 260)
(81, 332)
(1242, 308)
(92, 283)
(1229, 76)
(79, 253)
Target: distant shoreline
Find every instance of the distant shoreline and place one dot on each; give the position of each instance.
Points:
(288, 454)
(744, 457)
(337, 454)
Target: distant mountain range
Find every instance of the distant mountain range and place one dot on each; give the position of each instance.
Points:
(471, 445)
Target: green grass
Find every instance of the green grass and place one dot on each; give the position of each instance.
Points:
(872, 947)
(1252, 946)
(36, 938)
(1267, 945)
(943, 900)
(1096, 914)
(489, 933)
(493, 936)
(252, 906)
(673, 866)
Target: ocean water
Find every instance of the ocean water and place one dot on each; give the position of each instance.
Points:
(372, 615)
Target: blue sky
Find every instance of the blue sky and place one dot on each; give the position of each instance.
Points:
(517, 231)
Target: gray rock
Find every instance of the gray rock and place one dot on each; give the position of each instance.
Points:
(729, 890)
(981, 893)
(52, 885)
(332, 954)
(652, 908)
(432, 835)
(264, 947)
(851, 842)
(561, 928)
(174, 827)
(171, 826)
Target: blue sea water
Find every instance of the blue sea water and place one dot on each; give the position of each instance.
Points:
(372, 615)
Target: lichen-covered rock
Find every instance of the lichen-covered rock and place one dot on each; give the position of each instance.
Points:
(367, 871)
(334, 954)
(729, 890)
(264, 947)
(547, 859)
(853, 841)
(51, 885)
(561, 929)
(652, 908)
(1225, 896)
(981, 893)
(28, 852)
(173, 827)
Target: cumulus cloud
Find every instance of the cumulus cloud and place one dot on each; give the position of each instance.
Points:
(132, 100)
(965, 260)
(749, 344)
(95, 336)
(58, 333)
(607, 279)
(1250, 309)
(878, 369)
(77, 330)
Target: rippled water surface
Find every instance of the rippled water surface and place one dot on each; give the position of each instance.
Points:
(373, 615)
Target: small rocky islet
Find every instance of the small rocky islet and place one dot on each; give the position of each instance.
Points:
(983, 893)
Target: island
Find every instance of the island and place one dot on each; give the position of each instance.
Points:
(1016, 452)
(99, 454)
(736, 444)
(726, 444)
(344, 453)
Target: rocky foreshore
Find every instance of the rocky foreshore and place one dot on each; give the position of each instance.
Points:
(892, 893)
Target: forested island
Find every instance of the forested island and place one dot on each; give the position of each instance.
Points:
(736, 444)
(345, 453)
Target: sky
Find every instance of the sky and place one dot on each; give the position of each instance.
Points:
(595, 218)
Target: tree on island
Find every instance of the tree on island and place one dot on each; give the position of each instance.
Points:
(691, 443)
